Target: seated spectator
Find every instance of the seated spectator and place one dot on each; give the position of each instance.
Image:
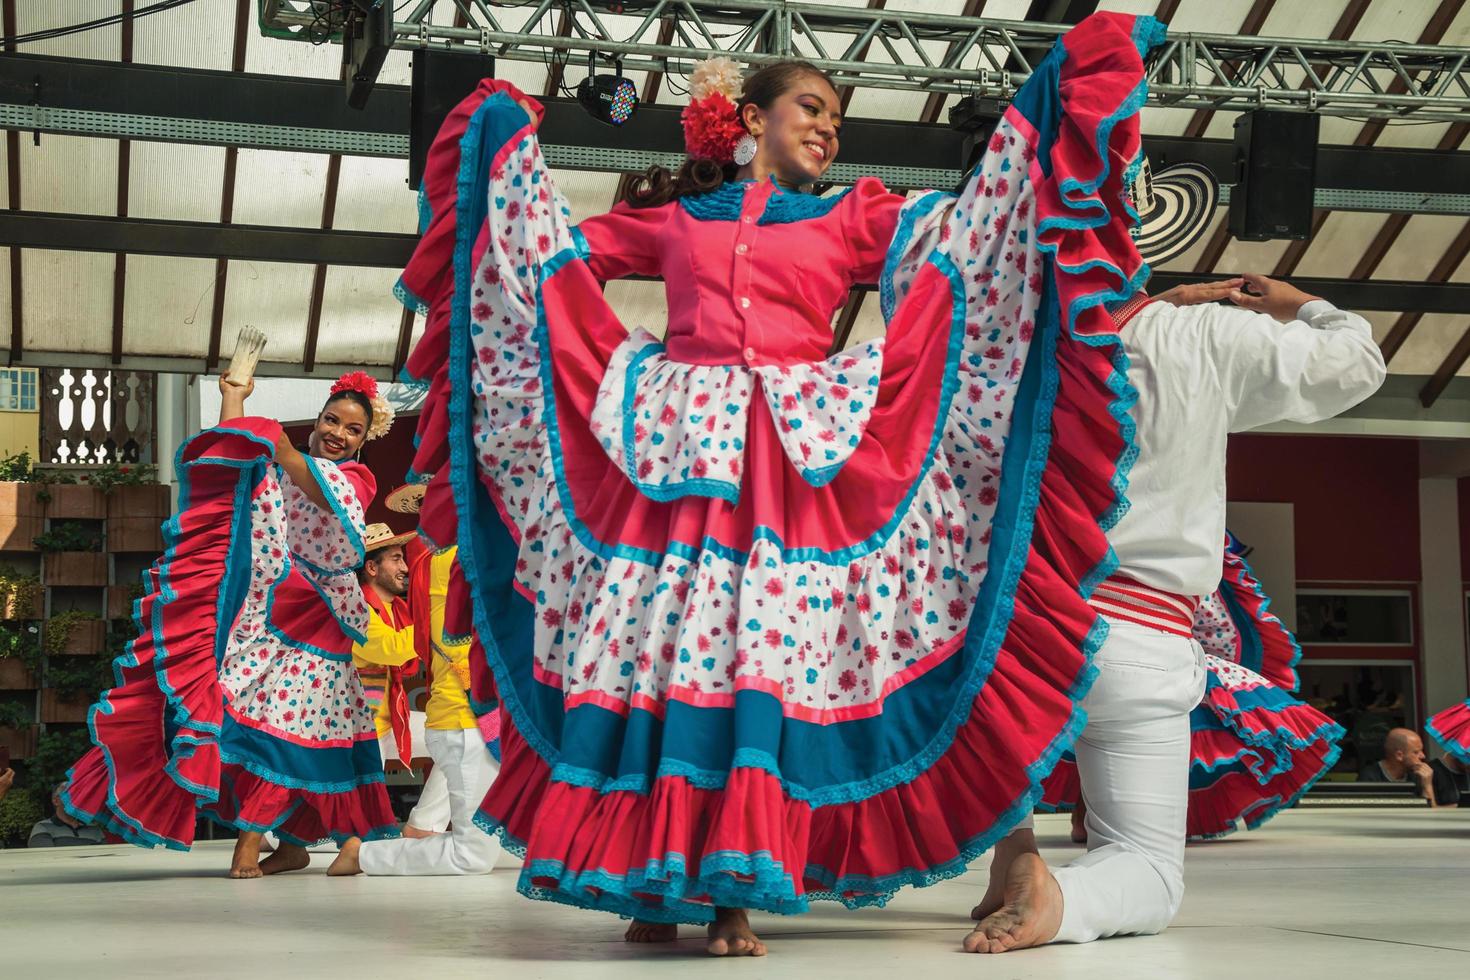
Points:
(62, 829)
(1403, 761)
(1451, 782)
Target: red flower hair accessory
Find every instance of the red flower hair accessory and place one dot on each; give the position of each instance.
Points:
(365, 385)
(712, 125)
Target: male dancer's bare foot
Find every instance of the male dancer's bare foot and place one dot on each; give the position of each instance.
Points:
(1079, 823)
(730, 935)
(288, 857)
(246, 860)
(414, 833)
(346, 863)
(1019, 842)
(650, 932)
(1031, 915)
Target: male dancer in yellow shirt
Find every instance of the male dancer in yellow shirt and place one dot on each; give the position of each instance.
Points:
(456, 746)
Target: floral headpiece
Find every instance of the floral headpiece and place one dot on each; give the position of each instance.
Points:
(712, 125)
(363, 384)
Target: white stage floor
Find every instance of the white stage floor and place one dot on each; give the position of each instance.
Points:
(1340, 893)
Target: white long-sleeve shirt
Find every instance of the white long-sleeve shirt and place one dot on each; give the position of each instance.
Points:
(1205, 371)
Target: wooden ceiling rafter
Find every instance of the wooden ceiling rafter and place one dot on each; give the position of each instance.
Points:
(124, 166)
(243, 10)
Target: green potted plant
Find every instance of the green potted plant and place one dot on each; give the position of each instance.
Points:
(79, 679)
(74, 633)
(20, 655)
(20, 507)
(20, 594)
(73, 554)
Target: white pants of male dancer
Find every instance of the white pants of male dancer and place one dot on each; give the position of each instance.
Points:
(431, 812)
(1133, 759)
(469, 769)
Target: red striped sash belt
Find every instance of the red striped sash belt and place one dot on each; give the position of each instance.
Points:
(1133, 602)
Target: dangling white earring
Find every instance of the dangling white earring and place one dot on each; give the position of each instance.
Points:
(744, 150)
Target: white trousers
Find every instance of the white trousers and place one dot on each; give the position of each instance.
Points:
(431, 812)
(468, 769)
(1133, 758)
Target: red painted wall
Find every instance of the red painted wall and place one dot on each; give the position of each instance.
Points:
(1356, 501)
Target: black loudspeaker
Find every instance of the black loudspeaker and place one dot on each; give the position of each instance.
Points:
(440, 81)
(1276, 154)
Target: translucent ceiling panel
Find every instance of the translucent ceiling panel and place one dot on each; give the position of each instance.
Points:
(276, 187)
(639, 304)
(5, 322)
(273, 297)
(75, 174)
(1341, 243)
(1135, 7)
(68, 300)
(104, 43)
(301, 59)
(1199, 17)
(360, 317)
(587, 193)
(373, 195)
(177, 181)
(1431, 340)
(196, 35)
(1259, 257)
(1424, 241)
(168, 305)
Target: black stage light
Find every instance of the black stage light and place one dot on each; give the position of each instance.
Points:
(610, 98)
(367, 34)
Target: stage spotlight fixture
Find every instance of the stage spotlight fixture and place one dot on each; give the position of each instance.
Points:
(612, 99)
(367, 34)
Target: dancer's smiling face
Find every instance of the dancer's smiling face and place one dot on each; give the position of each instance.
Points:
(797, 133)
(340, 429)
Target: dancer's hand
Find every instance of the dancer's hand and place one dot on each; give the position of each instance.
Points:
(1277, 299)
(535, 116)
(1192, 294)
(228, 388)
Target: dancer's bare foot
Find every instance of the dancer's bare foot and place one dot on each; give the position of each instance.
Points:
(246, 860)
(414, 833)
(1019, 842)
(346, 863)
(651, 932)
(730, 935)
(288, 857)
(1079, 824)
(1031, 915)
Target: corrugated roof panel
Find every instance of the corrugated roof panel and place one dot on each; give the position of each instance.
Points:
(1425, 348)
(1339, 245)
(74, 174)
(373, 195)
(177, 181)
(196, 35)
(103, 42)
(360, 317)
(1423, 243)
(276, 187)
(167, 305)
(639, 304)
(272, 296)
(68, 300)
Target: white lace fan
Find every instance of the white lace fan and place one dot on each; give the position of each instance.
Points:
(248, 346)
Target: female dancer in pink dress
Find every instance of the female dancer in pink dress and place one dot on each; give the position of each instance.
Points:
(768, 625)
(238, 699)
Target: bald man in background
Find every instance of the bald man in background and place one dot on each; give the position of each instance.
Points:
(1403, 761)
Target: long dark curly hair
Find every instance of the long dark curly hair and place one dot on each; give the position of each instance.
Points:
(660, 185)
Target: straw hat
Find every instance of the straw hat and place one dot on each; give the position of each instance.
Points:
(406, 499)
(382, 536)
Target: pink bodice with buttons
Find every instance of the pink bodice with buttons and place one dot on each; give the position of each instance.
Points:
(743, 291)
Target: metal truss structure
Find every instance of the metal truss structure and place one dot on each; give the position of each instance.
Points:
(920, 51)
